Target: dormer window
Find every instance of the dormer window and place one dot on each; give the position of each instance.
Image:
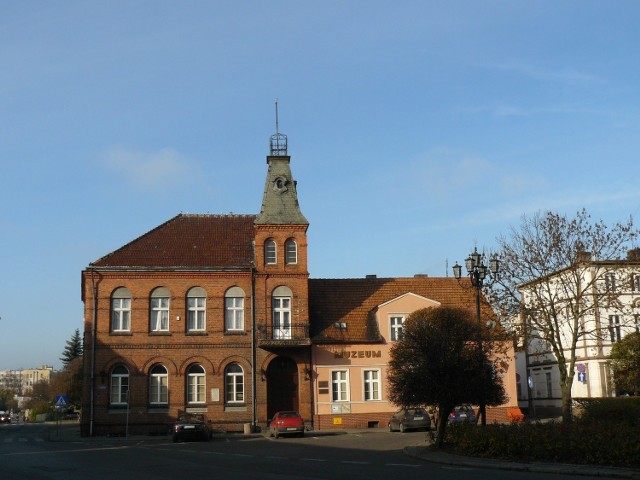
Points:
(270, 256)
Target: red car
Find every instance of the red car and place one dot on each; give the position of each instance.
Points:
(286, 423)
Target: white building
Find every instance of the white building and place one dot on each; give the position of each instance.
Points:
(595, 303)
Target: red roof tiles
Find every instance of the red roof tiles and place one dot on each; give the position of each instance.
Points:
(189, 241)
(354, 302)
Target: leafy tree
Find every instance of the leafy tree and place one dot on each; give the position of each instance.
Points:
(73, 348)
(625, 361)
(68, 382)
(7, 401)
(546, 260)
(438, 362)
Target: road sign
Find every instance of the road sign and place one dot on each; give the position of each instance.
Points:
(582, 377)
(61, 400)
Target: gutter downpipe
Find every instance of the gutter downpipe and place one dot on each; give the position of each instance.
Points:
(254, 389)
(94, 318)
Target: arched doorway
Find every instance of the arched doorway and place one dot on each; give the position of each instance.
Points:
(282, 385)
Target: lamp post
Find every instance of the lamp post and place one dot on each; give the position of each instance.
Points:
(479, 273)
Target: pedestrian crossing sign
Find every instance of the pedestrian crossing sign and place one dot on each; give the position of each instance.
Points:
(61, 400)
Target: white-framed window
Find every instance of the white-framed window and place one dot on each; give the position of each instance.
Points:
(234, 383)
(159, 315)
(610, 282)
(547, 377)
(636, 317)
(340, 386)
(291, 251)
(270, 252)
(196, 309)
(121, 310)
(281, 308)
(234, 309)
(635, 282)
(119, 385)
(396, 324)
(196, 384)
(158, 386)
(614, 328)
(372, 385)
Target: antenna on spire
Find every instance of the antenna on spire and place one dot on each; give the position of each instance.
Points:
(278, 143)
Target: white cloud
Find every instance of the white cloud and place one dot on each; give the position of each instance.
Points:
(151, 170)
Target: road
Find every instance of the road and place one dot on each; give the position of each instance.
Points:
(26, 452)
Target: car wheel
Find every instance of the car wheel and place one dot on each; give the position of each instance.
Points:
(301, 434)
(175, 439)
(402, 428)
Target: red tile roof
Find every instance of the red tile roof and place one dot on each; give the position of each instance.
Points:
(355, 301)
(189, 241)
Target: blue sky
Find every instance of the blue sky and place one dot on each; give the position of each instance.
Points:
(417, 129)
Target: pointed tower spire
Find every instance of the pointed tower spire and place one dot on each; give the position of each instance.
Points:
(280, 199)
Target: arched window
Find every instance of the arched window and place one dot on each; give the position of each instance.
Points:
(291, 251)
(196, 309)
(196, 384)
(119, 385)
(121, 310)
(270, 252)
(234, 383)
(158, 386)
(234, 309)
(159, 315)
(281, 311)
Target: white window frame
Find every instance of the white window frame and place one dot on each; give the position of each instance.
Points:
(233, 314)
(119, 385)
(372, 385)
(291, 252)
(121, 315)
(281, 317)
(610, 282)
(615, 328)
(196, 314)
(158, 386)
(196, 384)
(234, 383)
(635, 282)
(270, 252)
(159, 313)
(339, 386)
(396, 327)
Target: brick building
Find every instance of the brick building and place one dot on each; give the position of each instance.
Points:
(215, 314)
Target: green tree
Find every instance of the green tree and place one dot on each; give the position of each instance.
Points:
(73, 349)
(625, 361)
(438, 362)
(549, 284)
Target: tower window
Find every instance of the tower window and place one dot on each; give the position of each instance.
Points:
(291, 250)
(270, 257)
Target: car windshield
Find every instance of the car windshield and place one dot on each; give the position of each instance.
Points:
(289, 415)
(415, 411)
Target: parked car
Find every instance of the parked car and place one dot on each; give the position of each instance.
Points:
(5, 417)
(191, 427)
(462, 413)
(286, 423)
(410, 418)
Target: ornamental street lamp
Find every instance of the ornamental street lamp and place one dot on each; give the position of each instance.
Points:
(479, 273)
